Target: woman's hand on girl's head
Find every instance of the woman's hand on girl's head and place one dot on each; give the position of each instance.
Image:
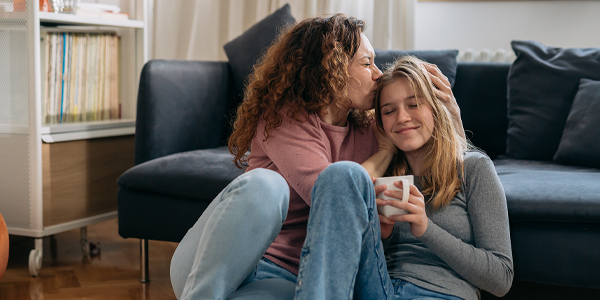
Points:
(415, 206)
(444, 92)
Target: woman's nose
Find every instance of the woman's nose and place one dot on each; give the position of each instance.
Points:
(377, 74)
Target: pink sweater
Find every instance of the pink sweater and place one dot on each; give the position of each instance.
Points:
(299, 152)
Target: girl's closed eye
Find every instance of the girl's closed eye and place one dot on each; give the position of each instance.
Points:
(412, 104)
(388, 111)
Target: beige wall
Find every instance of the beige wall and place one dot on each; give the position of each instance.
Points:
(493, 24)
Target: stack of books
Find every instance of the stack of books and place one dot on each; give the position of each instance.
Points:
(80, 76)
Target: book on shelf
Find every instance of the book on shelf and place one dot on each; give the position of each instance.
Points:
(100, 10)
(101, 14)
(80, 76)
(84, 9)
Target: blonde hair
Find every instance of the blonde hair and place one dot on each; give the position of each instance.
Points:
(443, 164)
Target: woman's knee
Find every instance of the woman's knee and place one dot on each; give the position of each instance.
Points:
(264, 192)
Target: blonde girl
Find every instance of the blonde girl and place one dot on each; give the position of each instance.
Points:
(453, 242)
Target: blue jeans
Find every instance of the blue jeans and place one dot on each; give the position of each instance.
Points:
(342, 256)
(228, 240)
(267, 281)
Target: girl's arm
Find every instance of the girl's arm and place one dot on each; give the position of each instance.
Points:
(488, 263)
(300, 152)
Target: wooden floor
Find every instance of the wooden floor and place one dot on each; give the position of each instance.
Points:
(113, 274)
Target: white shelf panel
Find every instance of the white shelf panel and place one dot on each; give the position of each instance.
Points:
(54, 229)
(12, 129)
(68, 19)
(86, 126)
(84, 135)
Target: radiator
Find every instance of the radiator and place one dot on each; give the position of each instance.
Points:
(486, 55)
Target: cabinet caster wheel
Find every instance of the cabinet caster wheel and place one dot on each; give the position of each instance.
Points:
(85, 247)
(35, 262)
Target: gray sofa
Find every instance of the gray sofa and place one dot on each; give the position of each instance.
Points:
(182, 163)
(538, 119)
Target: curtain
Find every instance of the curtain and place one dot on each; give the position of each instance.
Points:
(198, 29)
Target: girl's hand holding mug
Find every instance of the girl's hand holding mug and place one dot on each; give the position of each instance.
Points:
(414, 207)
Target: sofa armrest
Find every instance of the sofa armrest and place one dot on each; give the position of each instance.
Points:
(182, 106)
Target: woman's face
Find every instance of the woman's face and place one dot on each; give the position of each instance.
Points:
(404, 123)
(363, 76)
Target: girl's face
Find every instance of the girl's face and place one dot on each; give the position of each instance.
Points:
(363, 76)
(405, 124)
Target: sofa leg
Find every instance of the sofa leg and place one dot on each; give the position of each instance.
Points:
(144, 275)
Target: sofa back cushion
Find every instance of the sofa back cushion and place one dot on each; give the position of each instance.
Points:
(245, 50)
(444, 59)
(480, 91)
(542, 84)
(579, 144)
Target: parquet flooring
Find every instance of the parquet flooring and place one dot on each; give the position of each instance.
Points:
(113, 274)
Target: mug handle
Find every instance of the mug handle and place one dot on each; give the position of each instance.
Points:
(405, 190)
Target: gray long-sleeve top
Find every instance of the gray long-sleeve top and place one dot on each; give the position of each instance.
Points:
(466, 246)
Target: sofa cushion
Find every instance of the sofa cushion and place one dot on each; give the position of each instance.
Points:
(245, 50)
(153, 216)
(542, 84)
(198, 174)
(485, 122)
(579, 144)
(444, 59)
(548, 191)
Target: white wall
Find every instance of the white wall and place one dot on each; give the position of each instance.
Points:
(492, 25)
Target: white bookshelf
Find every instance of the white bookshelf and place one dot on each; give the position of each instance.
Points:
(67, 19)
(42, 165)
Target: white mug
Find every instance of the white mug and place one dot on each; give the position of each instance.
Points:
(388, 210)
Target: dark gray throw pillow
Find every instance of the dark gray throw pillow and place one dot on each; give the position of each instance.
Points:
(245, 50)
(580, 142)
(444, 59)
(542, 83)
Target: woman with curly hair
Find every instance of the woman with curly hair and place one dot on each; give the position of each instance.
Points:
(306, 107)
(452, 239)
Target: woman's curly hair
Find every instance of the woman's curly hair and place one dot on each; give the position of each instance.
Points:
(306, 69)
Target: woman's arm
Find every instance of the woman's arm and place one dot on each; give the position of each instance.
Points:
(296, 149)
(3, 246)
(378, 163)
(487, 264)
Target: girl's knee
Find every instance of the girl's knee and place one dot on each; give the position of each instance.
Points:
(341, 178)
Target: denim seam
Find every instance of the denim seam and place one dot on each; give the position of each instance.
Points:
(379, 266)
(192, 283)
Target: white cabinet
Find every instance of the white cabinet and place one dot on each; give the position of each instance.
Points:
(58, 177)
